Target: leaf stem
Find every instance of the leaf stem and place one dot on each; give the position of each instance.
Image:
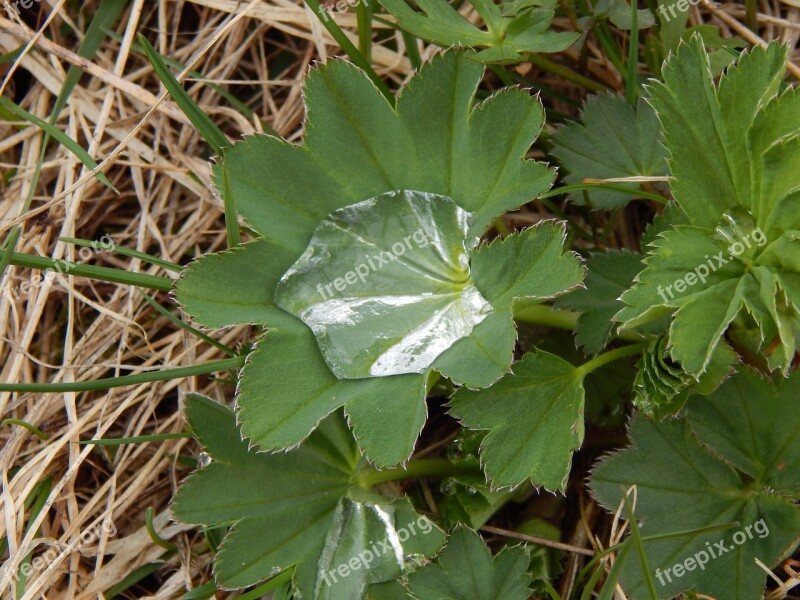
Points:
(543, 314)
(562, 318)
(566, 73)
(604, 186)
(430, 467)
(611, 356)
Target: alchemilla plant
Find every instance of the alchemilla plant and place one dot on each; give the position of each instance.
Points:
(380, 280)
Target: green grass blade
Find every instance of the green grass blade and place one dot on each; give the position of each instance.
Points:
(139, 439)
(207, 128)
(186, 327)
(412, 50)
(607, 593)
(59, 136)
(109, 274)
(10, 57)
(130, 253)
(33, 429)
(126, 380)
(132, 579)
(151, 530)
(105, 16)
(637, 540)
(351, 51)
(39, 497)
(364, 21)
(202, 592)
(632, 82)
(275, 582)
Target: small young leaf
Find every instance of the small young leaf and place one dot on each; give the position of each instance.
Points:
(385, 285)
(513, 28)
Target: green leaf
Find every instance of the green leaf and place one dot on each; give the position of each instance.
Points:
(235, 286)
(535, 421)
(754, 424)
(692, 503)
(610, 273)
(705, 128)
(339, 538)
(385, 285)
(614, 139)
(620, 11)
(712, 281)
(531, 264)
(434, 141)
(466, 569)
(480, 359)
(513, 28)
(286, 389)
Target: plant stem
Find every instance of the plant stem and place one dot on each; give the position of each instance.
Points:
(611, 356)
(543, 314)
(429, 467)
(125, 380)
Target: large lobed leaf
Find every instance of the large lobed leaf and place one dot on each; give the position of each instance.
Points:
(715, 489)
(318, 211)
(299, 509)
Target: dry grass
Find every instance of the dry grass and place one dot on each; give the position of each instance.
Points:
(72, 329)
